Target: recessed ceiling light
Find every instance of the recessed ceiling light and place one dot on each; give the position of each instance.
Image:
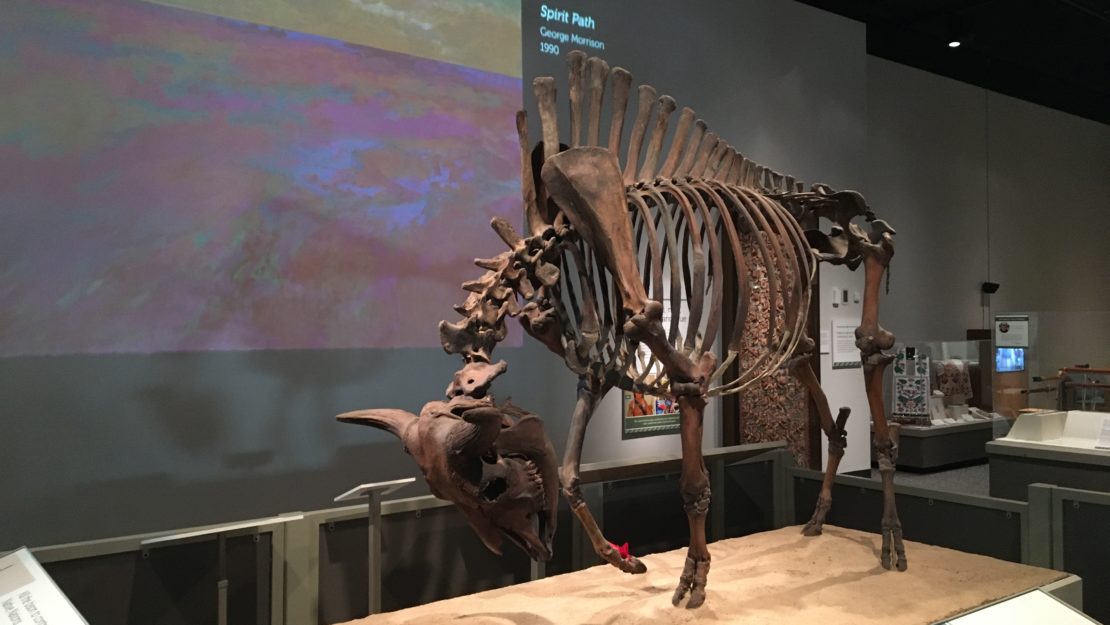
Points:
(955, 43)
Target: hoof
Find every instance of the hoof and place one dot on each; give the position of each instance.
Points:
(632, 565)
(692, 580)
(893, 550)
(811, 529)
(697, 598)
(629, 564)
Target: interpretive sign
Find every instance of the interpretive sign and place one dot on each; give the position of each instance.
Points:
(28, 595)
(845, 354)
(1011, 331)
(1104, 435)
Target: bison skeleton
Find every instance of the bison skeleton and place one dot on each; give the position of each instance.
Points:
(609, 243)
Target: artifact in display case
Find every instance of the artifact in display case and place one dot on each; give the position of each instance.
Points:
(961, 381)
(1084, 388)
(607, 241)
(911, 387)
(936, 396)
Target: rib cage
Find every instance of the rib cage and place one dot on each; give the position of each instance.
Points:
(690, 216)
(685, 239)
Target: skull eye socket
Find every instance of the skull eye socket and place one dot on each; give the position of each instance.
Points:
(494, 488)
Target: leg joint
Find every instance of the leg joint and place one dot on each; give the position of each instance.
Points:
(572, 489)
(887, 453)
(695, 498)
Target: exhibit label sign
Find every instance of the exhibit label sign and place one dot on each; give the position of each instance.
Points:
(845, 354)
(1011, 331)
(28, 595)
(1032, 608)
(1104, 435)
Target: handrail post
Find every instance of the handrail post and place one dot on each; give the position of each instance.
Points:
(717, 501)
(1037, 529)
(302, 552)
(782, 489)
(537, 570)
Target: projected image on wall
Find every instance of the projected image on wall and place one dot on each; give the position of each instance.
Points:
(174, 180)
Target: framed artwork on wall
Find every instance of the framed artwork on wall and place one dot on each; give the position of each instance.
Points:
(644, 415)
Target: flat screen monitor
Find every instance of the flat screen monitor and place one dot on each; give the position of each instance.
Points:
(1009, 359)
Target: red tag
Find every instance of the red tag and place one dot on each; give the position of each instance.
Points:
(621, 549)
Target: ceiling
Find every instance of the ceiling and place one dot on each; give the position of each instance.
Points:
(1052, 52)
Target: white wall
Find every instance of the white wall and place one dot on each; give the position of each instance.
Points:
(844, 387)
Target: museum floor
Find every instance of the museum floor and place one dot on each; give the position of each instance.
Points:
(768, 578)
(973, 480)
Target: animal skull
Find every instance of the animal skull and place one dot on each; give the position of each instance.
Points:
(495, 463)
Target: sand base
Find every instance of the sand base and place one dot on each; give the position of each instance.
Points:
(772, 578)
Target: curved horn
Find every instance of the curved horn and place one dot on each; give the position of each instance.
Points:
(389, 419)
(485, 425)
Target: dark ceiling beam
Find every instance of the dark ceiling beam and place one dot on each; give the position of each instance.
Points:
(1086, 10)
(1060, 69)
(944, 11)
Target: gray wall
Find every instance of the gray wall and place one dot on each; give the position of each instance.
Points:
(984, 187)
(109, 445)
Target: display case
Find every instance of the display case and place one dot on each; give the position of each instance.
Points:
(940, 393)
(1065, 448)
(1084, 388)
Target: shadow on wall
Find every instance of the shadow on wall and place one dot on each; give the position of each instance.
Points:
(148, 442)
(163, 501)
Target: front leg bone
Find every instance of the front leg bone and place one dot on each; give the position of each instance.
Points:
(872, 339)
(590, 392)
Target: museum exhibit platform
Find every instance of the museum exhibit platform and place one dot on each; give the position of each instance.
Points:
(1058, 448)
(769, 578)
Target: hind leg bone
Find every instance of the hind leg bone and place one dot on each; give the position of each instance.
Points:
(838, 440)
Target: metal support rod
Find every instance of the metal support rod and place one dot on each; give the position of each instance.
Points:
(374, 493)
(374, 548)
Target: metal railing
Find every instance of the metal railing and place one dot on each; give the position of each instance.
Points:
(294, 566)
